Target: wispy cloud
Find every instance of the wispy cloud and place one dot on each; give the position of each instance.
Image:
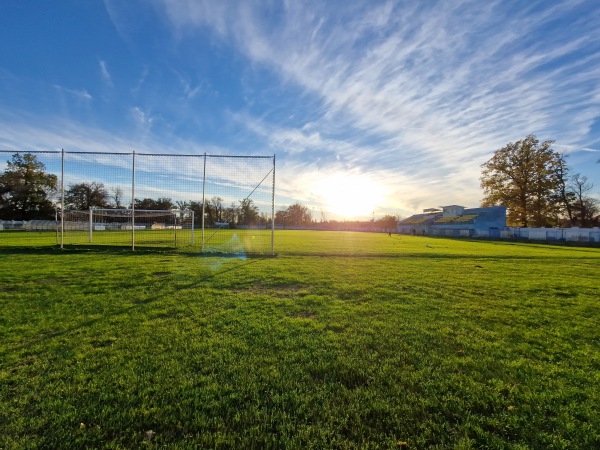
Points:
(412, 95)
(105, 74)
(79, 94)
(140, 117)
(36, 132)
(438, 87)
(190, 89)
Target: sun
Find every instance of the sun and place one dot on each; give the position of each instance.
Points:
(350, 196)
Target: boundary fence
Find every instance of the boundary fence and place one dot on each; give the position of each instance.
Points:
(573, 234)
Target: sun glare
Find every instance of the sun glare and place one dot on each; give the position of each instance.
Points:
(351, 196)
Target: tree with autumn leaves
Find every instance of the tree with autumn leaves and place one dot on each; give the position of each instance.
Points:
(26, 190)
(532, 180)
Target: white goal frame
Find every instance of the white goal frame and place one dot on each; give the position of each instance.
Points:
(91, 223)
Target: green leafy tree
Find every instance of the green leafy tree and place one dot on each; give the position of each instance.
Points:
(280, 217)
(163, 203)
(197, 208)
(295, 215)
(524, 177)
(248, 213)
(388, 222)
(83, 196)
(26, 189)
(232, 214)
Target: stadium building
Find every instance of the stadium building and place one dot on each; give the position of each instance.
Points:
(456, 221)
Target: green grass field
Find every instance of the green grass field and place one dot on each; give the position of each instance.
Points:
(343, 341)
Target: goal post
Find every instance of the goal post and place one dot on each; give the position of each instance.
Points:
(140, 227)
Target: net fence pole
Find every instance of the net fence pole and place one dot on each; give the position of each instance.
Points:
(56, 225)
(62, 198)
(175, 227)
(273, 211)
(203, 198)
(133, 200)
(91, 221)
(192, 238)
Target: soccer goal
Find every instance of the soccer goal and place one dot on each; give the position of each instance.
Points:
(140, 227)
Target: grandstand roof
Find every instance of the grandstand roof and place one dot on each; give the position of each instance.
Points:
(456, 219)
(418, 219)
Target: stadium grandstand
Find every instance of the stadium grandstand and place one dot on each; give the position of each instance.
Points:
(456, 221)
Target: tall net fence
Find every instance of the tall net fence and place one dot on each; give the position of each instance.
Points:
(195, 203)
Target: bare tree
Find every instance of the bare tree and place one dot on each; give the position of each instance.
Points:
(585, 208)
(214, 210)
(117, 196)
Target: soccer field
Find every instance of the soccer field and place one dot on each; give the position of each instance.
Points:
(344, 340)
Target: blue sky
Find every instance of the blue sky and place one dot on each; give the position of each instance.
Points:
(371, 107)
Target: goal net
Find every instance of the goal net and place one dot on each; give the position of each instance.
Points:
(117, 227)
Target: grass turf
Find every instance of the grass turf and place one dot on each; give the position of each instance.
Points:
(255, 241)
(345, 340)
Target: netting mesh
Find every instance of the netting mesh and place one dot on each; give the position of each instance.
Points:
(202, 203)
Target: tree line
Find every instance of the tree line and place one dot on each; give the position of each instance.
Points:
(27, 192)
(298, 215)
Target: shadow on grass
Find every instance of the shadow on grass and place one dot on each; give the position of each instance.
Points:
(124, 251)
(430, 251)
(429, 254)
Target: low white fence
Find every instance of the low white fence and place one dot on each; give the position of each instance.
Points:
(12, 224)
(552, 234)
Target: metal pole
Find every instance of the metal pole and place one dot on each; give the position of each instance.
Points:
(273, 212)
(175, 228)
(192, 227)
(203, 198)
(91, 224)
(62, 198)
(56, 224)
(133, 201)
